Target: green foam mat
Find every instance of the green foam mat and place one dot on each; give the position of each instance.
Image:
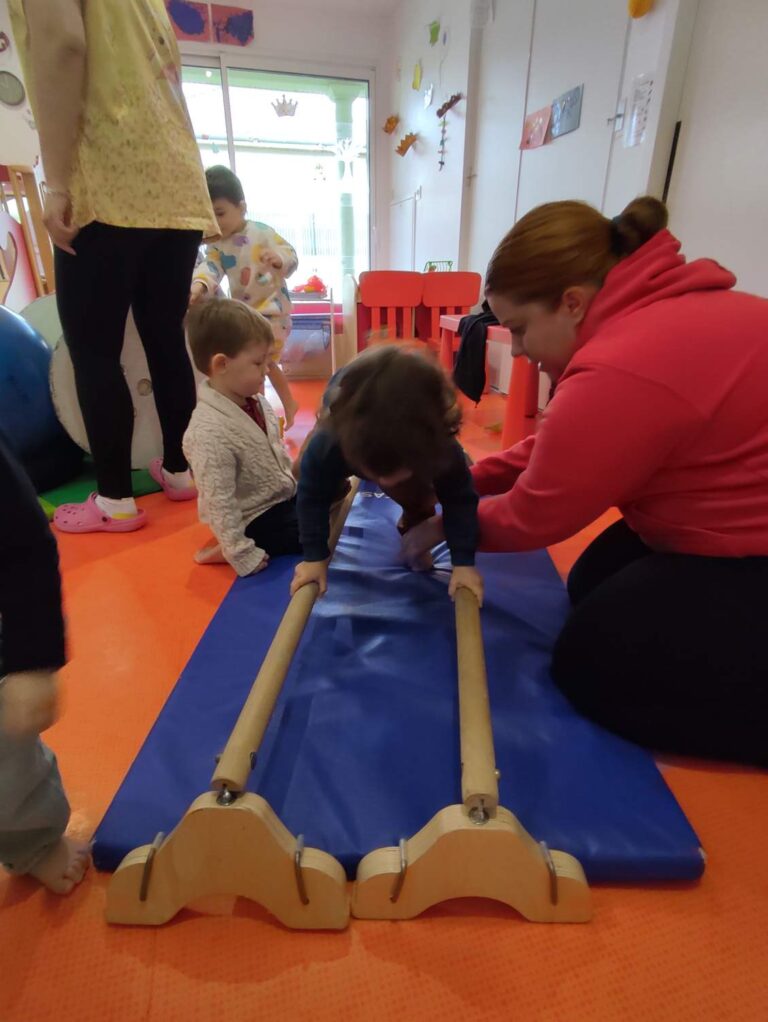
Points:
(79, 489)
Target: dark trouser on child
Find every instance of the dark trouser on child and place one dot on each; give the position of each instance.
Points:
(276, 531)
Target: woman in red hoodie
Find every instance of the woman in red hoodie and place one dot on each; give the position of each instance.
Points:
(661, 409)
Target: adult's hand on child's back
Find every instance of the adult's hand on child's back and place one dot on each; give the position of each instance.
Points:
(310, 571)
(28, 702)
(469, 578)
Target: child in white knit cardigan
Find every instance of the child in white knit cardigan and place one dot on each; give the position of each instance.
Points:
(246, 491)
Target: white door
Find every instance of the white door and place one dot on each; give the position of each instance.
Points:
(573, 44)
(532, 52)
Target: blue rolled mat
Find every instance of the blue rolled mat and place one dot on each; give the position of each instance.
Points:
(363, 747)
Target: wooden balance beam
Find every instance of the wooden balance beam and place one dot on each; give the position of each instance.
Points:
(231, 842)
(477, 849)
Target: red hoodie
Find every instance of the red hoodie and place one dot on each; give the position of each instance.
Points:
(663, 411)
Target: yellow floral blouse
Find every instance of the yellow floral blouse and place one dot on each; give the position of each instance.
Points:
(137, 163)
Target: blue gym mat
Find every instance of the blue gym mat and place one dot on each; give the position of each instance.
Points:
(363, 746)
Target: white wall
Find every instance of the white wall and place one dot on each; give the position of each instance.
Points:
(438, 210)
(494, 161)
(18, 140)
(719, 195)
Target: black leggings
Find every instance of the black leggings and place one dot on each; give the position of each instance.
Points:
(276, 531)
(669, 650)
(116, 269)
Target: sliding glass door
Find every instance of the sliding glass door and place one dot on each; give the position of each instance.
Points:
(299, 143)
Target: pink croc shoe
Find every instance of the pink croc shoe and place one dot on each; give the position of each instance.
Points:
(88, 517)
(156, 471)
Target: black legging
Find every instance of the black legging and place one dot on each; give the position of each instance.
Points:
(115, 269)
(669, 650)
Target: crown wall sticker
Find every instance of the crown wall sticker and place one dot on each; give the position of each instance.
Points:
(285, 107)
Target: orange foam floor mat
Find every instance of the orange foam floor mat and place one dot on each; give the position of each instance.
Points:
(136, 606)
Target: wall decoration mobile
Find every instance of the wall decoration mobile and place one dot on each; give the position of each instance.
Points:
(442, 113)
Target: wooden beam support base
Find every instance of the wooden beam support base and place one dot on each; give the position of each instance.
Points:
(454, 857)
(242, 849)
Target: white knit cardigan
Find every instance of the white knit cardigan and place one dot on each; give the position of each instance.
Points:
(239, 470)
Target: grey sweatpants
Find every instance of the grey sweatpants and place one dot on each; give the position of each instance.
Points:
(34, 811)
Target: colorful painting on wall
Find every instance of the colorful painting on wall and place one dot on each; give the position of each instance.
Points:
(191, 21)
(566, 112)
(535, 128)
(232, 26)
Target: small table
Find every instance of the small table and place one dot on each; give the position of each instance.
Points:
(523, 395)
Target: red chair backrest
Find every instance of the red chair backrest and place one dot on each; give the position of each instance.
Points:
(396, 292)
(460, 289)
(451, 293)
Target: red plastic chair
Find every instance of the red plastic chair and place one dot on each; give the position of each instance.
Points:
(445, 294)
(389, 299)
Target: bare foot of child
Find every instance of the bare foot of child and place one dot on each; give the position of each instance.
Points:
(210, 555)
(64, 866)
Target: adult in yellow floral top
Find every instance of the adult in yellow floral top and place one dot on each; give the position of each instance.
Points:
(126, 207)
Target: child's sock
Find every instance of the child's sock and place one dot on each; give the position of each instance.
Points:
(179, 480)
(123, 508)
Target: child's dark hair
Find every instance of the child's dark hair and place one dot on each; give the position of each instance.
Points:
(223, 184)
(224, 326)
(394, 408)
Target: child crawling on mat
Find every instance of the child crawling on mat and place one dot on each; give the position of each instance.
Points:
(34, 811)
(392, 417)
(256, 262)
(246, 490)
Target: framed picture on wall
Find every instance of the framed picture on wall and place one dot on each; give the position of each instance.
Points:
(566, 112)
(535, 128)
